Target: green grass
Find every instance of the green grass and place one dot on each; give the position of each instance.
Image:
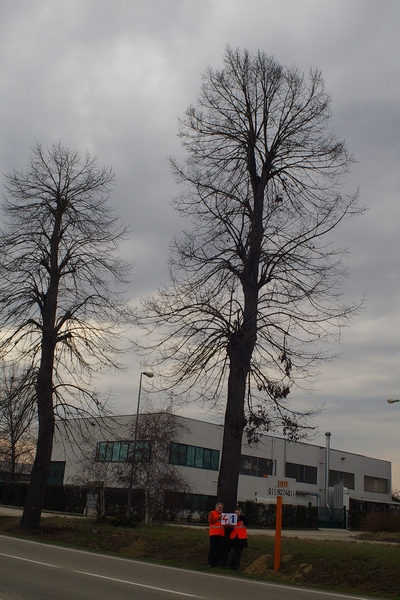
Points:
(349, 567)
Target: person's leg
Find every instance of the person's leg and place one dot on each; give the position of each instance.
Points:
(213, 551)
(224, 550)
(231, 558)
(237, 557)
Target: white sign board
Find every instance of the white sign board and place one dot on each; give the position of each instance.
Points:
(279, 486)
(228, 519)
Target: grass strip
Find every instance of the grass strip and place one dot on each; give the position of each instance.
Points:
(367, 568)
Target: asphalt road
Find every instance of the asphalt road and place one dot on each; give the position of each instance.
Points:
(34, 571)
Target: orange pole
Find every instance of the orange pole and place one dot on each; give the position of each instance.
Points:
(278, 534)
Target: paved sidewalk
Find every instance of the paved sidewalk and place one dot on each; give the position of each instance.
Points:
(305, 534)
(12, 511)
(310, 534)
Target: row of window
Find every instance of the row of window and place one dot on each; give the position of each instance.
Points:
(194, 456)
(302, 473)
(123, 451)
(256, 466)
(308, 474)
(207, 458)
(180, 454)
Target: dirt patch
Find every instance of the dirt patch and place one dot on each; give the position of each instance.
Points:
(301, 573)
(261, 566)
(136, 549)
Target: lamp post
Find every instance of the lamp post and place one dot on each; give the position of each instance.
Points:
(393, 400)
(129, 509)
(327, 454)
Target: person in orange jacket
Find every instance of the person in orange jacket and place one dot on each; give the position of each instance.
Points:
(216, 536)
(238, 541)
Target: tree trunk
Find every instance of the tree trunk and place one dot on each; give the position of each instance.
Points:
(41, 466)
(13, 458)
(232, 444)
(39, 475)
(240, 349)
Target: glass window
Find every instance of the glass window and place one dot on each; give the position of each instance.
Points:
(194, 456)
(109, 451)
(199, 462)
(143, 451)
(256, 466)
(189, 455)
(56, 473)
(214, 460)
(123, 451)
(341, 478)
(101, 451)
(115, 452)
(376, 484)
(302, 473)
(207, 458)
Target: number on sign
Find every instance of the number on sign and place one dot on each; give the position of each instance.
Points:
(229, 519)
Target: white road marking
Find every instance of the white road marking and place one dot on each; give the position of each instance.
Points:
(150, 587)
(36, 562)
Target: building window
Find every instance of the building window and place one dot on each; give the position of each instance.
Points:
(56, 473)
(123, 451)
(256, 466)
(190, 502)
(376, 484)
(302, 473)
(341, 478)
(193, 456)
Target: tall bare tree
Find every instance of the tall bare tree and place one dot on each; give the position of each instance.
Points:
(17, 419)
(255, 291)
(62, 305)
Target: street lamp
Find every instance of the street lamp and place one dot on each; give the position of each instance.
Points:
(393, 400)
(129, 509)
(327, 454)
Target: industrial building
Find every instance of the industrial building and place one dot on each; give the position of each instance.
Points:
(322, 475)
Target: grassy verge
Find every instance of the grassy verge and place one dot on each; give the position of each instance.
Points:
(349, 567)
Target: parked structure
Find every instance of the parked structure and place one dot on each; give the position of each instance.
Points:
(324, 476)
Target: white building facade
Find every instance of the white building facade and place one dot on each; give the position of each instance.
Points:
(324, 476)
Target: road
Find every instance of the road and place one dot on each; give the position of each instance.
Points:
(34, 571)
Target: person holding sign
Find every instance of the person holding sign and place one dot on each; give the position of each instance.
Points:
(216, 535)
(238, 541)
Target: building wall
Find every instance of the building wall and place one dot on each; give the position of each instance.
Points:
(309, 459)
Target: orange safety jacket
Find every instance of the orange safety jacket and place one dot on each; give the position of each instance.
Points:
(214, 520)
(239, 530)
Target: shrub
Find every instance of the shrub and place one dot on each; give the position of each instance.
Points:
(382, 521)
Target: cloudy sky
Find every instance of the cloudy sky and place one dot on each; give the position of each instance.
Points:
(113, 76)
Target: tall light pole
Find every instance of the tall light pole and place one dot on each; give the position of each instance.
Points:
(393, 400)
(133, 458)
(327, 460)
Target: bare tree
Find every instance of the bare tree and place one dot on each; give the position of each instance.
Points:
(152, 470)
(94, 476)
(17, 419)
(61, 304)
(255, 291)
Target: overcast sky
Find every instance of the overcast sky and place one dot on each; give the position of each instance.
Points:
(113, 76)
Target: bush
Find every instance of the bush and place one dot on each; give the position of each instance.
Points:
(13, 493)
(356, 520)
(124, 521)
(293, 516)
(382, 521)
